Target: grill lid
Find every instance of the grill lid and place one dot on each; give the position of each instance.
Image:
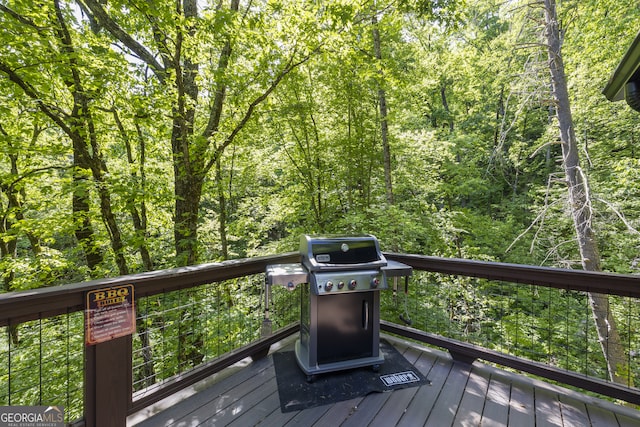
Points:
(336, 252)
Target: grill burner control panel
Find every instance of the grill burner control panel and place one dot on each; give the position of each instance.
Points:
(348, 281)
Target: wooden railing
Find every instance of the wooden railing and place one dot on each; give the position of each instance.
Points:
(570, 280)
(108, 393)
(108, 366)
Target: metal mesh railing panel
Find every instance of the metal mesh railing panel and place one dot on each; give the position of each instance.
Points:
(541, 324)
(178, 331)
(42, 363)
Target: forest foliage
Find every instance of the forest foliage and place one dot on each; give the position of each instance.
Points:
(138, 136)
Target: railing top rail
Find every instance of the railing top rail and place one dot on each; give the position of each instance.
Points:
(16, 307)
(21, 306)
(576, 280)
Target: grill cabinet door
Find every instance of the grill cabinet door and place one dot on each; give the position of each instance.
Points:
(345, 326)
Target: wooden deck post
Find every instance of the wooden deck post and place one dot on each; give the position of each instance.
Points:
(108, 383)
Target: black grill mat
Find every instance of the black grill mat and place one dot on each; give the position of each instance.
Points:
(296, 393)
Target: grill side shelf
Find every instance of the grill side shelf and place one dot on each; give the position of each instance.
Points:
(287, 275)
(397, 269)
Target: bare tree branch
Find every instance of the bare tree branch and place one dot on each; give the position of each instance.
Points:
(23, 20)
(102, 17)
(618, 214)
(51, 111)
(291, 65)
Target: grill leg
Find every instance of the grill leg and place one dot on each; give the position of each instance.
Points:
(267, 327)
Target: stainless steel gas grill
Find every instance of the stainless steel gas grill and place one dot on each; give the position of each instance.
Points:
(340, 307)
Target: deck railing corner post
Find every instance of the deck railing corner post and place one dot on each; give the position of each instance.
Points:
(108, 383)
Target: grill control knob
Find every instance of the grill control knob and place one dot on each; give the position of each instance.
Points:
(352, 284)
(375, 282)
(340, 284)
(328, 286)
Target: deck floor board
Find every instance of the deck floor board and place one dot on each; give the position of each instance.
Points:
(459, 395)
(497, 403)
(473, 401)
(521, 406)
(451, 393)
(394, 408)
(422, 404)
(547, 409)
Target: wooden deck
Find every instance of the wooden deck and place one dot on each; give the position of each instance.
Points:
(459, 395)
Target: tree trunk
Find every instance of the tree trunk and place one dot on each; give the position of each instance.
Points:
(145, 374)
(222, 214)
(188, 191)
(445, 104)
(138, 216)
(188, 161)
(83, 229)
(382, 100)
(579, 200)
(8, 247)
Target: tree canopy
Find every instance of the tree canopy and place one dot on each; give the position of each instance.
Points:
(139, 136)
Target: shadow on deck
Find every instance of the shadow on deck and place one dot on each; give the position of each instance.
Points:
(460, 394)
